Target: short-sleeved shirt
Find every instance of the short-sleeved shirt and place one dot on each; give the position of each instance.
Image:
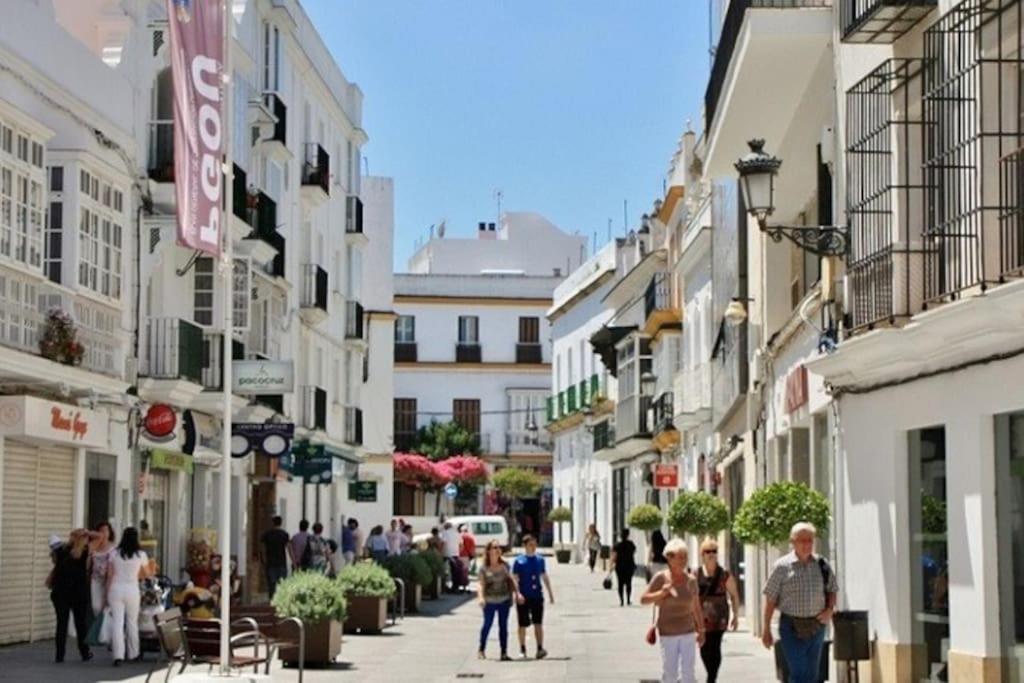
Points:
(348, 540)
(675, 613)
(395, 539)
(452, 541)
(275, 541)
(496, 584)
(528, 570)
(798, 588)
(299, 545)
(468, 545)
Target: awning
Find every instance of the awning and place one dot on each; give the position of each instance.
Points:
(604, 341)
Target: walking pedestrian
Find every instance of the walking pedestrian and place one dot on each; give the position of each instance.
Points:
(377, 545)
(127, 566)
(624, 566)
(803, 587)
(357, 539)
(467, 548)
(679, 621)
(496, 591)
(394, 537)
(529, 571)
(69, 591)
(275, 563)
(593, 543)
(100, 549)
(315, 557)
(717, 589)
(348, 541)
(407, 544)
(451, 541)
(297, 545)
(656, 554)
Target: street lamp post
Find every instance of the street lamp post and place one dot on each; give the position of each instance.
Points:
(757, 171)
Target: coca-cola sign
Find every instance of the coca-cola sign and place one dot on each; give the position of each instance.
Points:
(160, 421)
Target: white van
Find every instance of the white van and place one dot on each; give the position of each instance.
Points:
(485, 528)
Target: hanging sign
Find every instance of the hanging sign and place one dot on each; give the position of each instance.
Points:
(271, 439)
(160, 459)
(160, 422)
(312, 462)
(197, 67)
(666, 476)
(262, 377)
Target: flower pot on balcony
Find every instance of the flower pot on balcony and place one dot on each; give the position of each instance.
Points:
(366, 614)
(323, 643)
(563, 556)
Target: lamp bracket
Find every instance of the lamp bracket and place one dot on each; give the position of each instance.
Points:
(823, 240)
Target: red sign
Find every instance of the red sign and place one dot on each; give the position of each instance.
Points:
(197, 67)
(160, 420)
(69, 421)
(666, 476)
(796, 389)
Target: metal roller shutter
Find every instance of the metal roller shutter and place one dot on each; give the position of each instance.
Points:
(38, 490)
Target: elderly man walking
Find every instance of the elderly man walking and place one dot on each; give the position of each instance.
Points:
(802, 586)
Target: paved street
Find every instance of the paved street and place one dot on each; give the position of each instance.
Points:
(590, 638)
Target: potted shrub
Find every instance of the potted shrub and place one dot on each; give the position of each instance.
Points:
(698, 513)
(559, 516)
(435, 562)
(645, 517)
(368, 587)
(320, 603)
(414, 571)
(770, 512)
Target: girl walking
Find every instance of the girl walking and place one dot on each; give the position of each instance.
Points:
(496, 590)
(127, 566)
(680, 622)
(624, 564)
(593, 542)
(717, 590)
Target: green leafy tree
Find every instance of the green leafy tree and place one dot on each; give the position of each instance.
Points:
(770, 512)
(645, 517)
(516, 482)
(698, 513)
(442, 440)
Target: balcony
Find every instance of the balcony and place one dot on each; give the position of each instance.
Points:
(632, 429)
(277, 144)
(173, 362)
(776, 46)
(314, 407)
(354, 321)
(354, 221)
(574, 399)
(405, 352)
(659, 311)
(666, 436)
(161, 151)
(529, 353)
(316, 174)
(520, 441)
(267, 244)
(880, 21)
(313, 301)
(1011, 219)
(467, 352)
(571, 402)
(213, 351)
(353, 426)
(240, 196)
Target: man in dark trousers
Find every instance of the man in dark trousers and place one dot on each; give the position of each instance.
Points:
(275, 554)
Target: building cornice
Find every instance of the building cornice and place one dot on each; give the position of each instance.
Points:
(451, 366)
(471, 300)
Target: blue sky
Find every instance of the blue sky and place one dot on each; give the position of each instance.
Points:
(567, 106)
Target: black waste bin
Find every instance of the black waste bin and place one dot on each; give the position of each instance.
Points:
(850, 636)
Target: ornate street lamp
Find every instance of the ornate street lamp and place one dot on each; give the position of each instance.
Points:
(757, 171)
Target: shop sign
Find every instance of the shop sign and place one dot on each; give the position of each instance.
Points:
(262, 377)
(666, 476)
(312, 462)
(36, 418)
(363, 491)
(160, 459)
(160, 422)
(271, 439)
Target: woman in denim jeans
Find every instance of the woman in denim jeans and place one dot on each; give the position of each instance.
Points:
(495, 592)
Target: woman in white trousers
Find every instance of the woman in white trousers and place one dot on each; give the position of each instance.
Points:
(680, 622)
(127, 565)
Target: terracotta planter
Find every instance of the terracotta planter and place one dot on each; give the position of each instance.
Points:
(563, 556)
(366, 614)
(323, 643)
(413, 597)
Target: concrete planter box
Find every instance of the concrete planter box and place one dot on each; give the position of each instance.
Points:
(433, 590)
(366, 614)
(323, 643)
(413, 597)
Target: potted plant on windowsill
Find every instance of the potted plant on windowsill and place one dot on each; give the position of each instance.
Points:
(559, 516)
(368, 587)
(414, 571)
(319, 602)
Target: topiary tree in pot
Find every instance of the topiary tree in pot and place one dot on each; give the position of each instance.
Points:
(767, 516)
(515, 483)
(559, 516)
(414, 572)
(436, 564)
(319, 602)
(698, 513)
(647, 518)
(368, 587)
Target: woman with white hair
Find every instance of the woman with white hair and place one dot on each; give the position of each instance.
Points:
(679, 620)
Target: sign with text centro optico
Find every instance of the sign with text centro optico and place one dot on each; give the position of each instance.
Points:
(666, 476)
(262, 377)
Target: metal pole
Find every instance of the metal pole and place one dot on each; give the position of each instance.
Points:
(227, 266)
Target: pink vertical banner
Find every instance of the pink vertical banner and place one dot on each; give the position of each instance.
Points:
(197, 64)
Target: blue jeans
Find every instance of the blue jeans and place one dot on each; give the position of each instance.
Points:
(803, 657)
(501, 609)
(275, 574)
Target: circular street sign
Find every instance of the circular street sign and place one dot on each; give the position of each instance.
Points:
(160, 420)
(451, 490)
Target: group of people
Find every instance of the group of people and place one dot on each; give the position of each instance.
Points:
(93, 579)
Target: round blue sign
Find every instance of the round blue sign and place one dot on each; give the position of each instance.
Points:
(451, 490)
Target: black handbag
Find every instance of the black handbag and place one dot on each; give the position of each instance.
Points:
(607, 583)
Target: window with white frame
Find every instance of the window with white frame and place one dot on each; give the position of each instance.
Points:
(202, 295)
(100, 233)
(22, 201)
(405, 329)
(241, 294)
(469, 329)
(19, 313)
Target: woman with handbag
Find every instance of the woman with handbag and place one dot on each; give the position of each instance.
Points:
(593, 543)
(624, 565)
(495, 592)
(678, 618)
(717, 590)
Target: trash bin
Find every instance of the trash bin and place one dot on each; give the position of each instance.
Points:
(850, 635)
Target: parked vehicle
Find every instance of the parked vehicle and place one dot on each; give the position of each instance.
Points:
(485, 528)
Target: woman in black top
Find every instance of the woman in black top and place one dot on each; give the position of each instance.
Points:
(656, 561)
(70, 591)
(624, 564)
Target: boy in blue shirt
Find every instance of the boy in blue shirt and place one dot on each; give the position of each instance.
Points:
(529, 571)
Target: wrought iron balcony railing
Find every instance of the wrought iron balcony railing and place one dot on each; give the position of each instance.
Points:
(405, 352)
(277, 106)
(880, 21)
(316, 170)
(467, 352)
(529, 353)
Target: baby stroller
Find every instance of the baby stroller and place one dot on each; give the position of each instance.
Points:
(155, 598)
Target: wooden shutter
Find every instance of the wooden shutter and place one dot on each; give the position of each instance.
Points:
(529, 330)
(466, 413)
(405, 422)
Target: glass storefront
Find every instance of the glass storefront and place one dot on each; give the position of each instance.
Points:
(929, 556)
(1010, 518)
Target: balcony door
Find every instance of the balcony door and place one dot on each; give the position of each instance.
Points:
(469, 329)
(466, 413)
